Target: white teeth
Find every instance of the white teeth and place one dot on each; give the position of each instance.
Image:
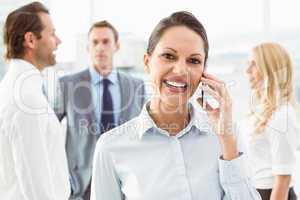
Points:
(176, 84)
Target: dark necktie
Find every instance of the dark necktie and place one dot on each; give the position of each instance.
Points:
(107, 116)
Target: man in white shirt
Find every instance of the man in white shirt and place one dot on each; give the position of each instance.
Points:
(33, 163)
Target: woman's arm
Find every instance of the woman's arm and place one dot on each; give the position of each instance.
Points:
(233, 174)
(280, 189)
(235, 181)
(283, 153)
(221, 117)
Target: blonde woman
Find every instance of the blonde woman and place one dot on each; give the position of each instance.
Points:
(273, 129)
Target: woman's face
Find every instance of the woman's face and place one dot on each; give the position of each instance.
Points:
(254, 74)
(176, 65)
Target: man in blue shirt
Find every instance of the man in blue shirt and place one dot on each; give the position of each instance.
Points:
(93, 101)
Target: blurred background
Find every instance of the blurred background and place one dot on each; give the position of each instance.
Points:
(233, 28)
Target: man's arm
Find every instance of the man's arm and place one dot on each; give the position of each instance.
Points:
(56, 98)
(59, 106)
(30, 153)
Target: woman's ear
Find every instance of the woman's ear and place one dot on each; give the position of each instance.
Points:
(146, 62)
(118, 46)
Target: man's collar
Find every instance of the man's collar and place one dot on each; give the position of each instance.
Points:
(25, 74)
(21, 65)
(96, 77)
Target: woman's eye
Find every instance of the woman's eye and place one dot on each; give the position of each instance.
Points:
(194, 61)
(168, 56)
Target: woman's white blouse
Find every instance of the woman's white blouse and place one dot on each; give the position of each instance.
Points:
(273, 152)
(139, 161)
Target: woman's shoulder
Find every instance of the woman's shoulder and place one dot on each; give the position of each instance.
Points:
(284, 127)
(284, 116)
(121, 134)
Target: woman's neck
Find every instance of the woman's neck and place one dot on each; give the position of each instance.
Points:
(171, 118)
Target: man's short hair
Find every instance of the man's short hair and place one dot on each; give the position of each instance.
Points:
(105, 24)
(18, 23)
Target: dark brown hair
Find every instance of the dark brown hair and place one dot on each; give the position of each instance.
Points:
(18, 23)
(105, 24)
(181, 18)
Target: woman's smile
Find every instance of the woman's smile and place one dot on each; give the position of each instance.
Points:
(176, 84)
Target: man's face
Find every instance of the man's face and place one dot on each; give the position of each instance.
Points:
(102, 47)
(45, 47)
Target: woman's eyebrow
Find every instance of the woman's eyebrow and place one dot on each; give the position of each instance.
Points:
(197, 54)
(194, 54)
(169, 48)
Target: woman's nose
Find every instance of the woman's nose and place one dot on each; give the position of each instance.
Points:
(180, 67)
(248, 70)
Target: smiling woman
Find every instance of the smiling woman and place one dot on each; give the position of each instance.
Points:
(174, 149)
(175, 69)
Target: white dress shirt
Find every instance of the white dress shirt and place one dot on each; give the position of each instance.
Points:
(139, 161)
(33, 164)
(97, 93)
(273, 152)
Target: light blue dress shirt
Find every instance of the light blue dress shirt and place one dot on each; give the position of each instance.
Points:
(139, 161)
(97, 93)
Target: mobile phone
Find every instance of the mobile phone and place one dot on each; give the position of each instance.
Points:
(206, 98)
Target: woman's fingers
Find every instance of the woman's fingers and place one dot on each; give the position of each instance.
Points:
(210, 82)
(206, 106)
(221, 84)
(215, 85)
(218, 91)
(212, 92)
(210, 76)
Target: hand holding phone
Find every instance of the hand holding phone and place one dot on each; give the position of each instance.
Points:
(205, 98)
(215, 100)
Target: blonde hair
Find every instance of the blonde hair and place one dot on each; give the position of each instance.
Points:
(276, 68)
